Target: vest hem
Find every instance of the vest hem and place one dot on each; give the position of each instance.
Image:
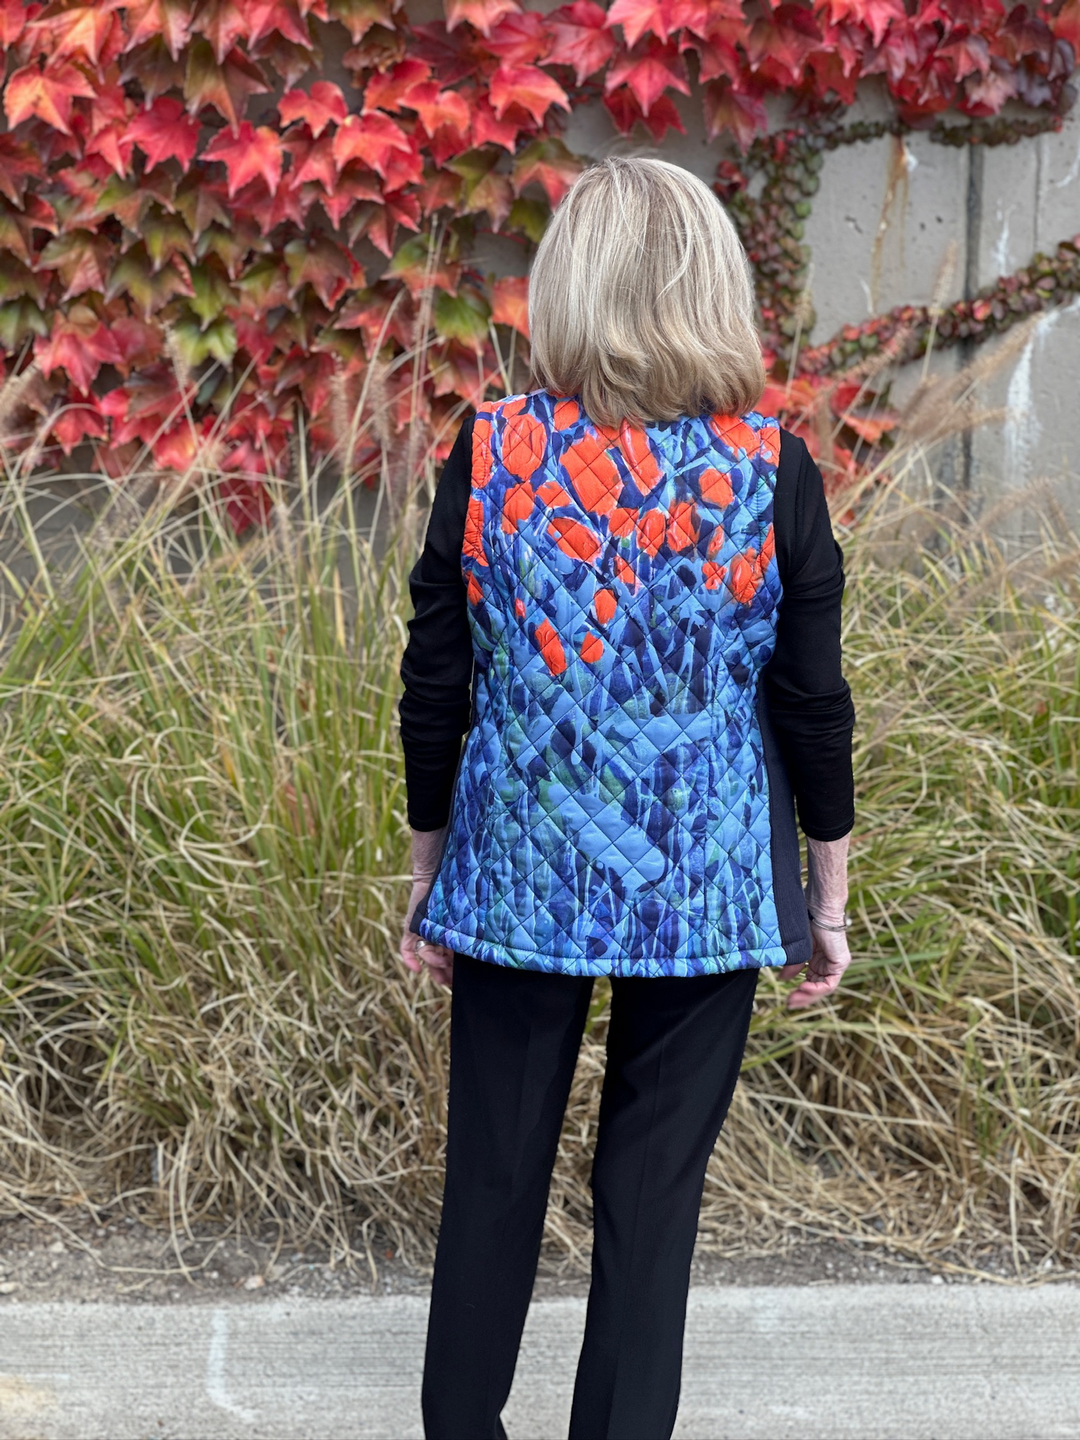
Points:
(769, 957)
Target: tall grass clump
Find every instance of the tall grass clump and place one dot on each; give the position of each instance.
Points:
(203, 854)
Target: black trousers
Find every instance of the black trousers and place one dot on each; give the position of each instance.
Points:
(674, 1049)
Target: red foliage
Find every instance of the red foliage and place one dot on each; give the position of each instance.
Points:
(195, 225)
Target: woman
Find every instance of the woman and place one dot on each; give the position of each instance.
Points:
(629, 597)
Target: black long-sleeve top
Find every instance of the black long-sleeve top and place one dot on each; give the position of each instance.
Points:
(809, 701)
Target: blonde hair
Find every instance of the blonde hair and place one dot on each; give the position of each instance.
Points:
(641, 300)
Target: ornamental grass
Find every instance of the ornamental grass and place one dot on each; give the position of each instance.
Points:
(203, 868)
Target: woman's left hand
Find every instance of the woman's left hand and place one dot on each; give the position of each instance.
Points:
(417, 952)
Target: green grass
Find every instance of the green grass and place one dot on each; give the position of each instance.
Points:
(201, 1007)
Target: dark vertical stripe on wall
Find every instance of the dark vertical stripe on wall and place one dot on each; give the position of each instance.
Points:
(786, 859)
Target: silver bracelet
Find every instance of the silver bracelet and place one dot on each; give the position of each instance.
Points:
(822, 926)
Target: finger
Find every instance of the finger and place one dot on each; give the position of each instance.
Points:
(407, 951)
(788, 972)
(436, 954)
(443, 973)
(811, 991)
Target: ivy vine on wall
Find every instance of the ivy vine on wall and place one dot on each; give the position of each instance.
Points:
(203, 238)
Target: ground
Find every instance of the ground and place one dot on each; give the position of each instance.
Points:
(73, 1258)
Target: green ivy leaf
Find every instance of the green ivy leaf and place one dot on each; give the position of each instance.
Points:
(196, 342)
(463, 317)
(530, 217)
(213, 293)
(20, 320)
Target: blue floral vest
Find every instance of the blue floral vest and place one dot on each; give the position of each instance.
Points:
(612, 811)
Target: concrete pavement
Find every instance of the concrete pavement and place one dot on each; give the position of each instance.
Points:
(833, 1362)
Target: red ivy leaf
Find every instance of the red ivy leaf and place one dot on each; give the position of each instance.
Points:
(248, 154)
(481, 14)
(370, 138)
(624, 109)
(649, 75)
(313, 161)
(15, 15)
(322, 264)
(79, 344)
(165, 132)
(437, 107)
(510, 302)
(778, 46)
(223, 86)
(519, 39)
(358, 16)
(384, 91)
(548, 161)
(80, 31)
(78, 422)
(579, 38)
(48, 94)
(638, 17)
(150, 19)
(969, 56)
(222, 23)
(324, 105)
(663, 117)
(263, 17)
(488, 128)
(740, 113)
(1066, 24)
(527, 86)
(876, 15)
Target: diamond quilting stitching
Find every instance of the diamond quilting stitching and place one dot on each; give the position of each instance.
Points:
(556, 727)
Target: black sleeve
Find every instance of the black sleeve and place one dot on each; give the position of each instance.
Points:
(809, 700)
(436, 669)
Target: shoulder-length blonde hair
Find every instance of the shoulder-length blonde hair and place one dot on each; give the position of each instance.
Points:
(641, 300)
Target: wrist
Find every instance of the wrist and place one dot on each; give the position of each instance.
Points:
(830, 911)
(427, 850)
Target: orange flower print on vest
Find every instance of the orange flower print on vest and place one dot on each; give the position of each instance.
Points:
(650, 531)
(519, 608)
(622, 520)
(523, 444)
(741, 436)
(551, 647)
(592, 647)
(604, 606)
(713, 574)
(639, 457)
(682, 527)
(748, 569)
(592, 473)
(716, 487)
(574, 539)
(552, 493)
(518, 501)
(567, 413)
(475, 590)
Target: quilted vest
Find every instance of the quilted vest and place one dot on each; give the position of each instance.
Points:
(614, 811)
